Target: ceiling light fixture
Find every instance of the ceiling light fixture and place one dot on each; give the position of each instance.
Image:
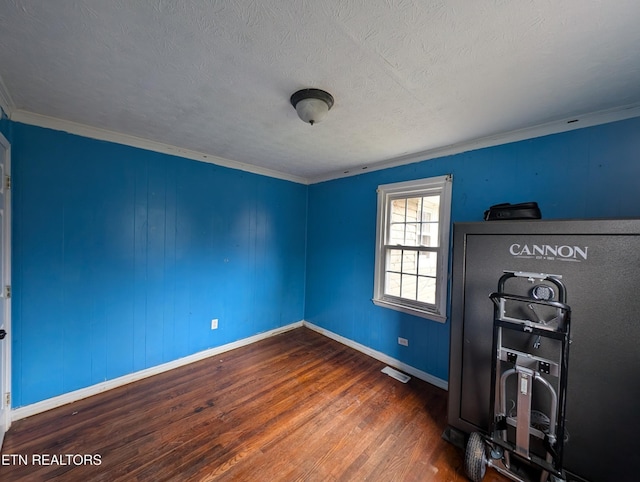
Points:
(312, 105)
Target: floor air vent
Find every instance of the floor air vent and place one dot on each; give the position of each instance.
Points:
(396, 374)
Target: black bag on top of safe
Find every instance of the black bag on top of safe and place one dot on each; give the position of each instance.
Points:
(508, 211)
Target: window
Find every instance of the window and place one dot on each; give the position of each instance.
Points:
(412, 247)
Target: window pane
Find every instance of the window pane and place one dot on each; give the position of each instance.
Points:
(398, 210)
(430, 209)
(413, 205)
(394, 260)
(410, 262)
(412, 234)
(430, 217)
(396, 233)
(414, 221)
(427, 264)
(427, 290)
(408, 288)
(392, 284)
(429, 235)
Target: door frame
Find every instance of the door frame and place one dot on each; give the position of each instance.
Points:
(5, 281)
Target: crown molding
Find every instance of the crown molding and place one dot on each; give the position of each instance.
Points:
(70, 127)
(554, 127)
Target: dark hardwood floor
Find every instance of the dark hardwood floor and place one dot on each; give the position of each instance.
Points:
(297, 406)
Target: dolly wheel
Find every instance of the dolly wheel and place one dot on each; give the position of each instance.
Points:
(475, 458)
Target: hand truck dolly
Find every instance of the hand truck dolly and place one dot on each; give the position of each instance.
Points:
(528, 372)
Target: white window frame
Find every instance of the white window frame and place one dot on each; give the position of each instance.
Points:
(440, 185)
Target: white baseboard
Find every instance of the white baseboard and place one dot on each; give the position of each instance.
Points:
(50, 403)
(438, 382)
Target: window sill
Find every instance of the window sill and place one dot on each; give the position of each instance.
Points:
(411, 310)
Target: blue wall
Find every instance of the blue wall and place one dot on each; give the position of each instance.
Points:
(121, 258)
(587, 173)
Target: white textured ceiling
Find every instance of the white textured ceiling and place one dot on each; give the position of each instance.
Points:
(408, 76)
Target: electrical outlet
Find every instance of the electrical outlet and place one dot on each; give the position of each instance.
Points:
(214, 324)
(403, 341)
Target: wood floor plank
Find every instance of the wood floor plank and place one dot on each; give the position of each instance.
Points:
(297, 406)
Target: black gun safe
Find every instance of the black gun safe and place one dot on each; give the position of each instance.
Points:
(599, 262)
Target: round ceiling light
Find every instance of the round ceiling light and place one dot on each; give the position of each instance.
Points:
(312, 105)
